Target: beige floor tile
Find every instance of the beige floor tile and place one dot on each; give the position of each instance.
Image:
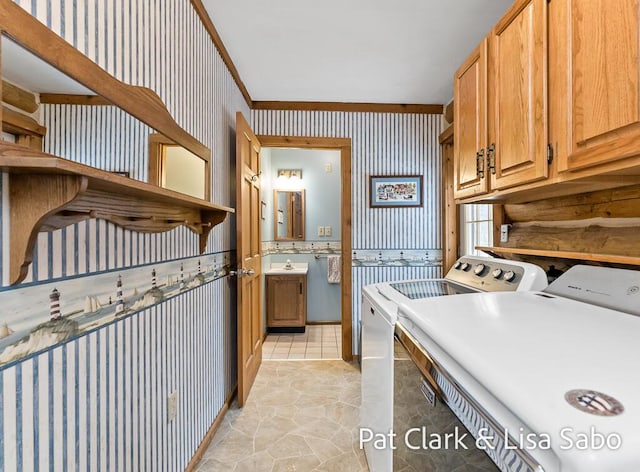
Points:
(330, 355)
(301, 416)
(280, 352)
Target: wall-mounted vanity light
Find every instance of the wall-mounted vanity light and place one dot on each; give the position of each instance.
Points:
(289, 179)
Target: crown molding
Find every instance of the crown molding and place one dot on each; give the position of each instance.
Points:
(217, 41)
(431, 109)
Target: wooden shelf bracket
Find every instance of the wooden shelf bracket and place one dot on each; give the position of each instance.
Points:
(32, 200)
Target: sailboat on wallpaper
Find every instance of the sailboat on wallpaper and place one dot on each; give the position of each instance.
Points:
(37, 317)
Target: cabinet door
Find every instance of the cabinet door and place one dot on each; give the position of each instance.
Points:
(286, 300)
(603, 82)
(470, 124)
(518, 96)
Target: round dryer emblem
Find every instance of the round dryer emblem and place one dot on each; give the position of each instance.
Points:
(595, 403)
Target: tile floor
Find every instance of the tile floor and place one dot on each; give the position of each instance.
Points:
(300, 416)
(317, 342)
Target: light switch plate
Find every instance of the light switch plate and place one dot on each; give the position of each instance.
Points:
(504, 233)
(327, 230)
(320, 230)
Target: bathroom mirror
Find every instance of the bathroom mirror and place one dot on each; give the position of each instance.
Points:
(289, 215)
(75, 91)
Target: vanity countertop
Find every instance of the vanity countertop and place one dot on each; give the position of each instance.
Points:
(284, 268)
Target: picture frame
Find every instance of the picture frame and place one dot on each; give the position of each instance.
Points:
(393, 191)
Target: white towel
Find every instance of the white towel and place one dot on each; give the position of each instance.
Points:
(333, 269)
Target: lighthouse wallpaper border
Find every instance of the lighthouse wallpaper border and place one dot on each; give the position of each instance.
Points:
(37, 317)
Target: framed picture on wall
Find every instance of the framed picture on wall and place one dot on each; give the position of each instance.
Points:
(395, 191)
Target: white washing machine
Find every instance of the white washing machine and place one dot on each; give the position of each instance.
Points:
(379, 351)
(549, 379)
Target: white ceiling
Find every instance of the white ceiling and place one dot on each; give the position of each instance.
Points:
(28, 71)
(378, 51)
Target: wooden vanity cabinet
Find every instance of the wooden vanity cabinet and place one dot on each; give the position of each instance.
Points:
(286, 302)
(500, 100)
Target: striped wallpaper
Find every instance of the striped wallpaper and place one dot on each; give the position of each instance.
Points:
(381, 144)
(98, 402)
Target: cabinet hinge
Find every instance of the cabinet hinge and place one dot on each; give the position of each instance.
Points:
(549, 153)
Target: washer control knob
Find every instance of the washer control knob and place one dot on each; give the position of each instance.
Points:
(509, 276)
(496, 273)
(457, 265)
(465, 266)
(479, 269)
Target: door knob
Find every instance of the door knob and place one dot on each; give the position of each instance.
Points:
(242, 272)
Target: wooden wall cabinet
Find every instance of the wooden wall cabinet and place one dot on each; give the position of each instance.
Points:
(599, 80)
(501, 105)
(470, 124)
(286, 302)
(557, 112)
(518, 130)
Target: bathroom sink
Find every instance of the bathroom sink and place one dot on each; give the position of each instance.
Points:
(283, 268)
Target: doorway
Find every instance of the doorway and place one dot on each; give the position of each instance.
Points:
(343, 145)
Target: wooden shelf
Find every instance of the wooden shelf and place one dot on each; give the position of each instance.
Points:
(585, 256)
(48, 193)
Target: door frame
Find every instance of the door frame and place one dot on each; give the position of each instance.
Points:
(344, 146)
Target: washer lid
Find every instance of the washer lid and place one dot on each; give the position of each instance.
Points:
(528, 349)
(618, 289)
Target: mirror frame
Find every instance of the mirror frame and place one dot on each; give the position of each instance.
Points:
(275, 216)
(140, 102)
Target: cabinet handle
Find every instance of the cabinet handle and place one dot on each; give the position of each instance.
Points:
(480, 163)
(491, 158)
(300, 288)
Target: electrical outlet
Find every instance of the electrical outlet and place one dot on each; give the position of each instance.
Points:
(328, 168)
(504, 233)
(172, 406)
(327, 230)
(320, 230)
